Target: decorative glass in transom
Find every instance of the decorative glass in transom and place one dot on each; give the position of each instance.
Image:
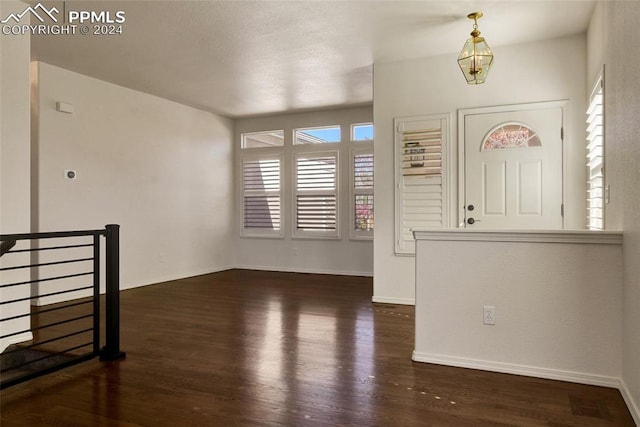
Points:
(511, 135)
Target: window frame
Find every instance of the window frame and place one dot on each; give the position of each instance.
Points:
(365, 141)
(596, 151)
(360, 147)
(406, 247)
(257, 232)
(243, 136)
(322, 144)
(314, 234)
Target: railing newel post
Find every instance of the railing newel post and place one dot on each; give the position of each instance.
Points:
(111, 350)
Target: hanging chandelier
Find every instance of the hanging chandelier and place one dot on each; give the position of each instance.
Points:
(476, 57)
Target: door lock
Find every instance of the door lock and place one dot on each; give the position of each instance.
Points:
(470, 207)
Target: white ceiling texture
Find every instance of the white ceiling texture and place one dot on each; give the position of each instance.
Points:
(247, 58)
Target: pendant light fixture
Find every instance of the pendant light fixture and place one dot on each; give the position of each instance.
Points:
(476, 57)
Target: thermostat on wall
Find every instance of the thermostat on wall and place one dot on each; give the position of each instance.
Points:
(64, 107)
(70, 174)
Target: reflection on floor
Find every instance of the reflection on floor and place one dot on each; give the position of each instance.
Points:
(282, 349)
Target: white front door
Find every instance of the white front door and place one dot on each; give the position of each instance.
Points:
(513, 169)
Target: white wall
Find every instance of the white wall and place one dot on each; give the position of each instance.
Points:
(557, 303)
(14, 127)
(341, 256)
(161, 170)
(596, 43)
(14, 165)
(542, 71)
(622, 127)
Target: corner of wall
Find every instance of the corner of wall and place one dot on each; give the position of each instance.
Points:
(633, 407)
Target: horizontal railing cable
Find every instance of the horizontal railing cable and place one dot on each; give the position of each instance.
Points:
(51, 235)
(46, 280)
(47, 310)
(37, 328)
(44, 264)
(50, 248)
(46, 295)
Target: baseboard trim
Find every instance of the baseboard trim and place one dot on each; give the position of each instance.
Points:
(528, 371)
(176, 277)
(630, 401)
(27, 336)
(389, 300)
(55, 299)
(88, 293)
(305, 270)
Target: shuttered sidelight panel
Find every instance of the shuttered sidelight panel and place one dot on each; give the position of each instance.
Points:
(363, 205)
(262, 212)
(316, 212)
(262, 197)
(363, 171)
(316, 207)
(363, 192)
(420, 176)
(595, 159)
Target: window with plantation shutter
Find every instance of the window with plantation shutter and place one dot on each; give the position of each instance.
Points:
(262, 196)
(421, 185)
(362, 193)
(595, 158)
(316, 195)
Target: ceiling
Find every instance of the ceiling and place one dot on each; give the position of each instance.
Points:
(247, 58)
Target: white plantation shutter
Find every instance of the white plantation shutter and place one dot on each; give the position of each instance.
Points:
(316, 199)
(595, 158)
(420, 183)
(262, 196)
(362, 192)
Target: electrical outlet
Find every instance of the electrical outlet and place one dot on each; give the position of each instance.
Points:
(489, 315)
(294, 251)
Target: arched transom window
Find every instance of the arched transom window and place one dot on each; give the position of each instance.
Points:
(510, 135)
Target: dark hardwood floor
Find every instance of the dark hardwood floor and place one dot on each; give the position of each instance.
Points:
(247, 348)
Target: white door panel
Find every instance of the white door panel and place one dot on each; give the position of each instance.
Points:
(494, 187)
(529, 187)
(513, 180)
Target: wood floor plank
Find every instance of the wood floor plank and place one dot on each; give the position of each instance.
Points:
(248, 348)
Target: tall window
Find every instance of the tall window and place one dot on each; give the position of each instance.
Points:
(307, 182)
(361, 181)
(262, 196)
(362, 193)
(595, 158)
(316, 194)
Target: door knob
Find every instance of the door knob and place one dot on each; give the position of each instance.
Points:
(470, 207)
(470, 221)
